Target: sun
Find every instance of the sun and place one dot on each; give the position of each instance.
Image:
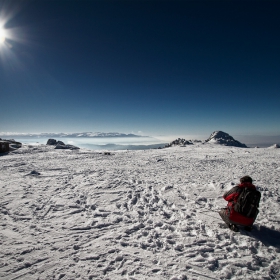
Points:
(2, 35)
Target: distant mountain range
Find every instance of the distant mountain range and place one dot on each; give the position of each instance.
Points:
(70, 135)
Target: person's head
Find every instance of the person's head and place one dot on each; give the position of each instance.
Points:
(246, 179)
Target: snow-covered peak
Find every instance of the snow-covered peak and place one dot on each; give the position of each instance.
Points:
(222, 138)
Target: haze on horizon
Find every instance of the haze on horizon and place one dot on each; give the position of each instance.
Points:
(162, 68)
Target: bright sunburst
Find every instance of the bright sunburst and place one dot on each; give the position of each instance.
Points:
(2, 35)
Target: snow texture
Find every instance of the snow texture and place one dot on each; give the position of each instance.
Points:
(152, 214)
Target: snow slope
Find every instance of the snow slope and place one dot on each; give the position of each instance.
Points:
(135, 214)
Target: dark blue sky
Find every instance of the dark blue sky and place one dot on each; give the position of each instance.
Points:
(160, 67)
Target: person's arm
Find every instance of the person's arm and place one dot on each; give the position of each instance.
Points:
(232, 194)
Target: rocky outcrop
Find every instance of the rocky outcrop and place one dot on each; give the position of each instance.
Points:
(181, 142)
(61, 145)
(10, 145)
(52, 142)
(4, 146)
(68, 147)
(222, 138)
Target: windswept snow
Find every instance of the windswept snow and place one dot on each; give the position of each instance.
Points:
(135, 214)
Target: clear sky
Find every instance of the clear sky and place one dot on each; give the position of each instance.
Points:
(159, 67)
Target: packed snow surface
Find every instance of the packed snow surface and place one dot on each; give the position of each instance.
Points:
(148, 214)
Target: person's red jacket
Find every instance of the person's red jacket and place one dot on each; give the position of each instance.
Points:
(231, 196)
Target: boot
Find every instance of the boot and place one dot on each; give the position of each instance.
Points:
(233, 227)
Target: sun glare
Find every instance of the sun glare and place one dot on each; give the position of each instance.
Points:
(2, 36)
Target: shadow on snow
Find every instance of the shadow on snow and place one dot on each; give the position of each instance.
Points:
(268, 236)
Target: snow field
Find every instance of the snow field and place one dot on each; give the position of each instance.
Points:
(148, 214)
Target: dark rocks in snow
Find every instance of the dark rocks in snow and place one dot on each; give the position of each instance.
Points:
(9, 145)
(14, 143)
(222, 138)
(61, 145)
(181, 142)
(52, 142)
(217, 137)
(66, 147)
(4, 146)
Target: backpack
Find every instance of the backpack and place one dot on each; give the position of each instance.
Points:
(248, 202)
